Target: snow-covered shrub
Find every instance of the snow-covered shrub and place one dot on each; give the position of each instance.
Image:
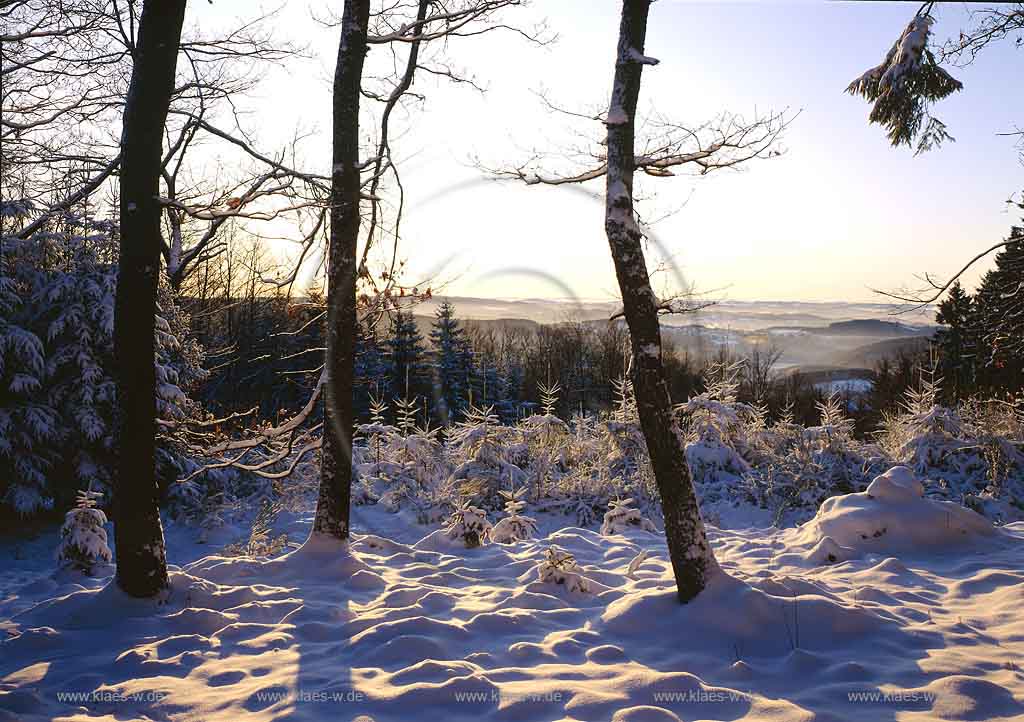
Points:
(543, 450)
(583, 500)
(372, 456)
(715, 434)
(997, 430)
(973, 455)
(469, 524)
(593, 461)
(737, 455)
(481, 449)
(514, 527)
(419, 453)
(544, 443)
(411, 471)
(626, 448)
(206, 510)
(796, 469)
(213, 497)
(83, 538)
(432, 509)
(841, 458)
(582, 487)
(622, 516)
(397, 466)
(922, 433)
(625, 410)
(559, 567)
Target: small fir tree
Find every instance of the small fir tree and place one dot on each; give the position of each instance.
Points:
(83, 538)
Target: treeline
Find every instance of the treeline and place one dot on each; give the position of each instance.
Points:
(265, 351)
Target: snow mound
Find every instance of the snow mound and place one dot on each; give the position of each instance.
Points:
(891, 516)
(897, 484)
(829, 551)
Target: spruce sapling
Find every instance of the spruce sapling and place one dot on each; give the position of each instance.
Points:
(469, 524)
(83, 540)
(559, 567)
(513, 527)
(621, 516)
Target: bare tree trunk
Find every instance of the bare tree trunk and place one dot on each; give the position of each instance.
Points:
(692, 559)
(141, 557)
(333, 504)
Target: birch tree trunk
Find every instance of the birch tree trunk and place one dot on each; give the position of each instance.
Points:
(334, 501)
(693, 562)
(139, 539)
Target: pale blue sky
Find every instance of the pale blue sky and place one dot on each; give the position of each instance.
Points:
(840, 212)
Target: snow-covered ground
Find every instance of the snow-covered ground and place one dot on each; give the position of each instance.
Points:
(845, 386)
(885, 606)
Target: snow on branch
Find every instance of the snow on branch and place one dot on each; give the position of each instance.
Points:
(83, 192)
(274, 444)
(635, 56)
(681, 302)
(904, 85)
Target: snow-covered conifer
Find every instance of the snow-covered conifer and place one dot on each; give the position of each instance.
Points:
(371, 371)
(481, 450)
(716, 432)
(57, 390)
(622, 516)
(408, 368)
(559, 567)
(83, 540)
(470, 525)
(453, 364)
(514, 527)
(904, 85)
(544, 437)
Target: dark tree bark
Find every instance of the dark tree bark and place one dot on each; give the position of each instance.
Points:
(333, 504)
(693, 561)
(139, 538)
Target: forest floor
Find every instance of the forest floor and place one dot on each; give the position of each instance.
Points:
(917, 618)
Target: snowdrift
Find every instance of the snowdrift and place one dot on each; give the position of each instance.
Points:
(892, 516)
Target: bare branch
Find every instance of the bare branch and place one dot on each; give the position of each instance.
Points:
(923, 299)
(727, 142)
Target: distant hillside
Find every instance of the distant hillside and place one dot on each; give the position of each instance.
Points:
(840, 349)
(724, 314)
(874, 327)
(870, 354)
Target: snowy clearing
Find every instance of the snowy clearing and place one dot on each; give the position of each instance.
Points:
(917, 618)
(845, 386)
